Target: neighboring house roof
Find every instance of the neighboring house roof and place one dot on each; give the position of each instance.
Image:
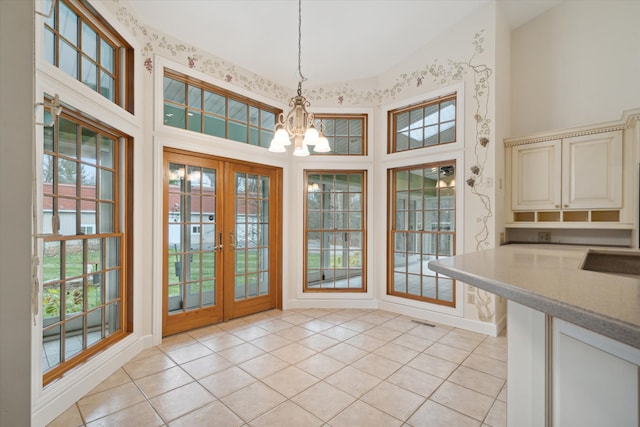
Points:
(67, 199)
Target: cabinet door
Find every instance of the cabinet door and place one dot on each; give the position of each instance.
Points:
(592, 171)
(595, 379)
(535, 176)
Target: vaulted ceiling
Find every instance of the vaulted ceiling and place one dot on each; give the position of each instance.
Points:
(341, 39)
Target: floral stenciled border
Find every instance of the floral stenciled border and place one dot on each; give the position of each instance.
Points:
(441, 74)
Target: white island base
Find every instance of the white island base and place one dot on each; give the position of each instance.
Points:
(560, 374)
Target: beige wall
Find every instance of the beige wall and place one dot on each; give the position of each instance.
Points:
(16, 170)
(575, 65)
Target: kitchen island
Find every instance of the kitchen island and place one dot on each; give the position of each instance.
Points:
(573, 335)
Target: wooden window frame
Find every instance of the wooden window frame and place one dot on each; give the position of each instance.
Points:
(362, 230)
(364, 148)
(123, 52)
(122, 168)
(392, 117)
(228, 95)
(391, 228)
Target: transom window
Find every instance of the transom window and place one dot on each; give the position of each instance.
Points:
(347, 133)
(200, 107)
(423, 125)
(81, 45)
(422, 227)
(335, 231)
(83, 293)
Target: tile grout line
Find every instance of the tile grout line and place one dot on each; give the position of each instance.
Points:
(381, 321)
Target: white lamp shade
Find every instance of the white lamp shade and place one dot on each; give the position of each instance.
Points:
(276, 146)
(311, 136)
(322, 146)
(301, 151)
(282, 137)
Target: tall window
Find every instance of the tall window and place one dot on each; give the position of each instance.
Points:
(197, 106)
(335, 231)
(83, 46)
(347, 133)
(426, 124)
(84, 244)
(422, 227)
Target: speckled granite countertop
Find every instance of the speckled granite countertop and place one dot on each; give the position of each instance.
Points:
(548, 278)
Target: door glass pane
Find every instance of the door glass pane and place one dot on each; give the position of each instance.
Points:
(252, 234)
(208, 293)
(193, 295)
(240, 290)
(192, 237)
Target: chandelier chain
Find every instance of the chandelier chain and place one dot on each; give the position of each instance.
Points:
(302, 78)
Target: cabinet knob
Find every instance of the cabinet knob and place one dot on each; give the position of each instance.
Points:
(566, 206)
(557, 206)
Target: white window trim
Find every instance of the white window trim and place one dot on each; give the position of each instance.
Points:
(432, 154)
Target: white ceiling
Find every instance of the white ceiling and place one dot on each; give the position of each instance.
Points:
(342, 40)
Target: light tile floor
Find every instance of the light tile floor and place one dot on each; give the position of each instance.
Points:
(307, 368)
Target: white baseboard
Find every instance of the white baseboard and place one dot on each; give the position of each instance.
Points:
(492, 329)
(60, 395)
(369, 304)
(442, 318)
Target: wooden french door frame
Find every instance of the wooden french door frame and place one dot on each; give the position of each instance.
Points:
(235, 305)
(226, 305)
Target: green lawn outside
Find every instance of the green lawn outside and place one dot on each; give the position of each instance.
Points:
(74, 295)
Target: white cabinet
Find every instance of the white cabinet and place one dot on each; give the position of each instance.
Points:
(595, 379)
(592, 171)
(563, 375)
(582, 172)
(536, 176)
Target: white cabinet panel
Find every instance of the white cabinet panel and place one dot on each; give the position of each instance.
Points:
(536, 176)
(592, 171)
(526, 367)
(593, 384)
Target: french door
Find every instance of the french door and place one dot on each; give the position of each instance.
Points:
(222, 250)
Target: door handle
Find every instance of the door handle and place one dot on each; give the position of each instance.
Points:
(219, 247)
(232, 240)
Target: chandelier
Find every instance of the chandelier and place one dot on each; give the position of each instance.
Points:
(299, 125)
